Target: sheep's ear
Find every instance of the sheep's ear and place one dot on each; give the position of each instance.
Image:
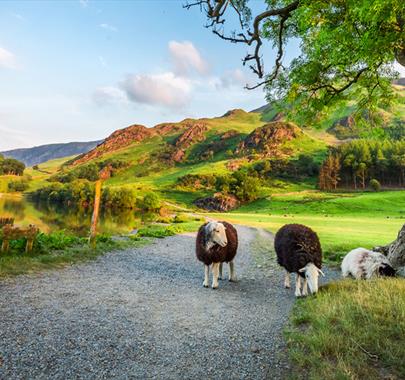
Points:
(323, 274)
(302, 270)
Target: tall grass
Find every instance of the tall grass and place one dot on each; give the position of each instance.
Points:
(350, 330)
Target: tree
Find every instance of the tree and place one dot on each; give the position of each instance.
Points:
(347, 48)
(329, 173)
(11, 166)
(150, 202)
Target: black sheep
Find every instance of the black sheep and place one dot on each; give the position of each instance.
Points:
(299, 251)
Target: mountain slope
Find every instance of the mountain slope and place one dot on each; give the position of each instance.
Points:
(43, 153)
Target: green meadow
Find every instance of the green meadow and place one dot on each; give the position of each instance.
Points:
(343, 221)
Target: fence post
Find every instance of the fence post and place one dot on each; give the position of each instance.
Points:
(103, 175)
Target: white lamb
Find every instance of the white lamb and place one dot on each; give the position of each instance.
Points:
(362, 263)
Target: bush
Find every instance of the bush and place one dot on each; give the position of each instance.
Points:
(375, 185)
(158, 231)
(17, 186)
(90, 171)
(182, 218)
(150, 202)
(11, 166)
(118, 198)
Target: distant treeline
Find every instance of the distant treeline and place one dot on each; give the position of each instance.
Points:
(81, 193)
(89, 172)
(245, 183)
(11, 166)
(357, 163)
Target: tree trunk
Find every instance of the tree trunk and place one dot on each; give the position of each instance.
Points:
(395, 251)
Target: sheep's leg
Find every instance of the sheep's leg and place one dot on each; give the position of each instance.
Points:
(220, 272)
(298, 286)
(215, 273)
(305, 287)
(232, 274)
(206, 282)
(287, 280)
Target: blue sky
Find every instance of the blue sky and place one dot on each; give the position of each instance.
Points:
(78, 70)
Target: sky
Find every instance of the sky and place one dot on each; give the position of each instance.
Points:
(78, 70)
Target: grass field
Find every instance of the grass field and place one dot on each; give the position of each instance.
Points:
(350, 330)
(342, 221)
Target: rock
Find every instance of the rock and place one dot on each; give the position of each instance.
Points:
(395, 251)
(218, 202)
(117, 140)
(267, 140)
(194, 133)
(229, 134)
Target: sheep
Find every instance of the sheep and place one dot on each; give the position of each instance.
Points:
(362, 263)
(216, 243)
(299, 251)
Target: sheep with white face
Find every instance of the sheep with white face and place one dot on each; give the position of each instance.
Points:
(217, 242)
(299, 251)
(311, 273)
(215, 234)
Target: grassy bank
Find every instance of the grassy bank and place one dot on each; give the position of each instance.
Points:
(343, 221)
(57, 250)
(350, 330)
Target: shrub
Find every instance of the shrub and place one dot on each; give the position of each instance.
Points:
(375, 185)
(158, 231)
(118, 198)
(17, 186)
(11, 166)
(182, 218)
(150, 202)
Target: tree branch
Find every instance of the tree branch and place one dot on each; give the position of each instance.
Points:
(215, 9)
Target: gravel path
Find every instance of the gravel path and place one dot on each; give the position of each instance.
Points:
(143, 313)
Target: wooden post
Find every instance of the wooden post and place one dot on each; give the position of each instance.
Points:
(5, 245)
(94, 218)
(12, 233)
(104, 174)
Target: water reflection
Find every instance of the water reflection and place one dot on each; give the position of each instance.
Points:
(51, 217)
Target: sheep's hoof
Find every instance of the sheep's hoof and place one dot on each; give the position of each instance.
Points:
(220, 278)
(205, 285)
(233, 279)
(287, 286)
(214, 287)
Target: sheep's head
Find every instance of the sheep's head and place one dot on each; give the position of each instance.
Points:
(311, 272)
(215, 234)
(386, 270)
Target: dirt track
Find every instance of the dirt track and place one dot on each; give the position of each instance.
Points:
(143, 313)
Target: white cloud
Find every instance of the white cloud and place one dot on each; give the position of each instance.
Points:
(232, 78)
(109, 95)
(109, 27)
(7, 59)
(84, 3)
(164, 89)
(186, 58)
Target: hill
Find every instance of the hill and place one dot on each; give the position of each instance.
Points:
(184, 161)
(344, 124)
(43, 153)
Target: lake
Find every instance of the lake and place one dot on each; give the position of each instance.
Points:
(54, 217)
